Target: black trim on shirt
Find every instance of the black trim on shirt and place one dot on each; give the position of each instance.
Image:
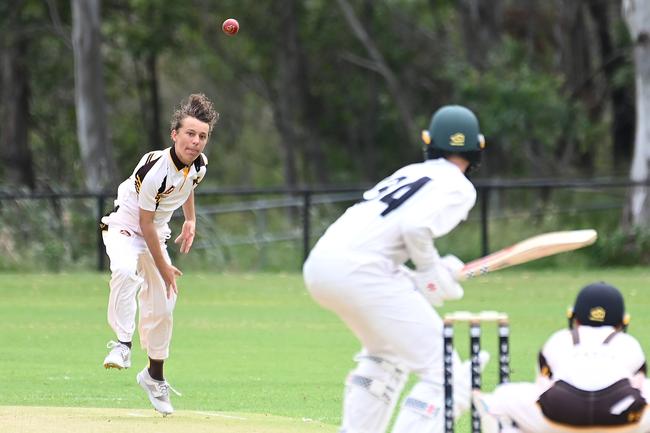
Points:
(177, 162)
(162, 188)
(198, 163)
(142, 172)
(544, 368)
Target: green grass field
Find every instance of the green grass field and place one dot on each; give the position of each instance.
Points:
(252, 345)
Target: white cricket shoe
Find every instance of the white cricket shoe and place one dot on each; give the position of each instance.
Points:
(157, 391)
(119, 357)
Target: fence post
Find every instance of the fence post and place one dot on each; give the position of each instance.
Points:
(306, 229)
(485, 246)
(100, 242)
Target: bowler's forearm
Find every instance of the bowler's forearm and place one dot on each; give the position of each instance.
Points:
(188, 208)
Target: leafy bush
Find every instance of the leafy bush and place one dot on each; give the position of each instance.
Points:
(623, 247)
(250, 234)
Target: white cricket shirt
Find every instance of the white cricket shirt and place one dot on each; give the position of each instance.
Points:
(160, 183)
(400, 216)
(592, 365)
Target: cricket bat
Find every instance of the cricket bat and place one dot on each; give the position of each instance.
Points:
(534, 248)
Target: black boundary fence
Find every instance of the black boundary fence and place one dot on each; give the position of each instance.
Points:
(304, 198)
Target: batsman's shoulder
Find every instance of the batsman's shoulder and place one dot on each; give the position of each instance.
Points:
(463, 188)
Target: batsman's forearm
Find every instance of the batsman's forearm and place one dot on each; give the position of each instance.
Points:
(419, 244)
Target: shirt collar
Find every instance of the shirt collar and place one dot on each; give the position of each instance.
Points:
(177, 162)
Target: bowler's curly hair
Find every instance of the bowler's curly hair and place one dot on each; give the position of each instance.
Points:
(196, 105)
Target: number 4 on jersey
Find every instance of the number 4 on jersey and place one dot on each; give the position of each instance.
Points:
(394, 193)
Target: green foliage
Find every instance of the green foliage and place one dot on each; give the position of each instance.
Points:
(340, 101)
(257, 234)
(523, 110)
(623, 247)
(52, 235)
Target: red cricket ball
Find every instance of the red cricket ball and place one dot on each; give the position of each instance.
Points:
(230, 27)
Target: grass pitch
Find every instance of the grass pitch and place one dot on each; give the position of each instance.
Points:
(244, 346)
(34, 419)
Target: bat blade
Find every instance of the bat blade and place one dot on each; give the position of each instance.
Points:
(534, 248)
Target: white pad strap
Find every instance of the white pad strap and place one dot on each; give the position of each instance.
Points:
(373, 386)
(382, 382)
(372, 391)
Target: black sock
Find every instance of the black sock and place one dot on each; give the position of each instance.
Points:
(126, 343)
(156, 369)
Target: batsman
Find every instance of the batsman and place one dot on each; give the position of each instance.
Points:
(357, 270)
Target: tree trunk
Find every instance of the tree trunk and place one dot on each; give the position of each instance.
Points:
(284, 92)
(637, 17)
(620, 95)
(398, 93)
(155, 139)
(574, 37)
(14, 143)
(482, 28)
(96, 152)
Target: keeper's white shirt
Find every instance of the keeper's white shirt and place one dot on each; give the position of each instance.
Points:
(592, 365)
(400, 216)
(160, 183)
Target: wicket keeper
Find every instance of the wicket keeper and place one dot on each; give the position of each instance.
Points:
(591, 377)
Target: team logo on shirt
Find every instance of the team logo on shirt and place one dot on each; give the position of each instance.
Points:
(458, 139)
(597, 314)
(161, 194)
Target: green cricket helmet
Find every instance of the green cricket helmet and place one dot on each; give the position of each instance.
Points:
(454, 129)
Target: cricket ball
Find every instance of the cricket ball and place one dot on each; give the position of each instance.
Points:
(230, 27)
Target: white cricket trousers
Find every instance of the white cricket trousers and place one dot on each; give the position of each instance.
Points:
(134, 273)
(518, 402)
(395, 323)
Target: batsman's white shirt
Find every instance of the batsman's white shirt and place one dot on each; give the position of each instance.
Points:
(160, 183)
(400, 216)
(355, 267)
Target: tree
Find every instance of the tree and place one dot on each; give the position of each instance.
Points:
(378, 62)
(96, 152)
(144, 31)
(637, 17)
(14, 100)
(614, 62)
(484, 20)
